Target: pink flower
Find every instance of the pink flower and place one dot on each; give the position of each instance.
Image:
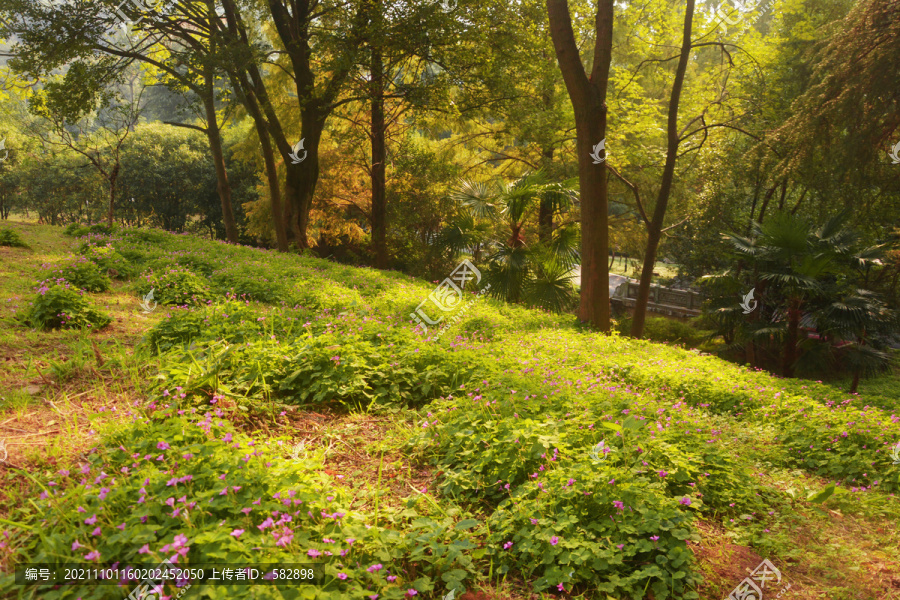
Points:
(560, 587)
(507, 545)
(76, 546)
(342, 576)
(92, 555)
(554, 540)
(162, 446)
(237, 533)
(96, 532)
(654, 537)
(92, 520)
(411, 592)
(145, 549)
(313, 553)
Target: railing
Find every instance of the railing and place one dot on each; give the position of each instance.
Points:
(662, 299)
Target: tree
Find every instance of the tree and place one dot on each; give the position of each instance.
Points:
(494, 219)
(91, 118)
(174, 49)
(809, 279)
(588, 97)
(673, 141)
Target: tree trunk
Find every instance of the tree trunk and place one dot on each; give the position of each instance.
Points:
(790, 343)
(379, 183)
(545, 209)
(654, 232)
(300, 184)
(113, 177)
(855, 384)
(223, 187)
(588, 97)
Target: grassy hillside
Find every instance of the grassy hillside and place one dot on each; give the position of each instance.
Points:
(278, 409)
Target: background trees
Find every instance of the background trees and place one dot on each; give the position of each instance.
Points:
(423, 126)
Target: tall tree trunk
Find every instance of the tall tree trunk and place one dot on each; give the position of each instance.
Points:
(790, 342)
(545, 209)
(113, 178)
(274, 187)
(301, 180)
(223, 187)
(654, 232)
(379, 183)
(588, 97)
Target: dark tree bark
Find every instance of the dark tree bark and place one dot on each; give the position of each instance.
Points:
(588, 97)
(545, 209)
(654, 229)
(379, 180)
(113, 178)
(218, 156)
(790, 342)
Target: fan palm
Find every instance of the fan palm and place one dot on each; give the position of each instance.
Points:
(802, 272)
(539, 274)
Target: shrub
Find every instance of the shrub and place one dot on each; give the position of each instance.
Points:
(232, 321)
(110, 261)
(178, 287)
(76, 230)
(83, 274)
(10, 237)
(660, 329)
(195, 488)
(101, 229)
(61, 305)
(249, 284)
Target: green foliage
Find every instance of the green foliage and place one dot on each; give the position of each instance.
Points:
(231, 320)
(179, 287)
(83, 274)
(10, 237)
(670, 331)
(110, 261)
(62, 305)
(193, 487)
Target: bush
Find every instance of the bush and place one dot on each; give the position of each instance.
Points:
(232, 321)
(110, 261)
(76, 230)
(670, 331)
(61, 305)
(249, 283)
(101, 229)
(83, 274)
(9, 237)
(196, 489)
(178, 287)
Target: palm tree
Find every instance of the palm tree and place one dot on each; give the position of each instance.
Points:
(802, 275)
(493, 219)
